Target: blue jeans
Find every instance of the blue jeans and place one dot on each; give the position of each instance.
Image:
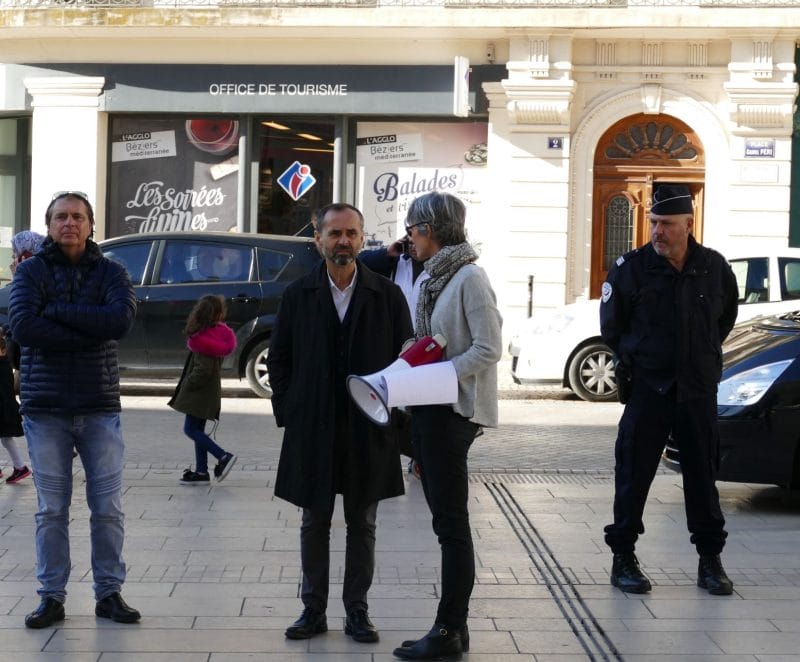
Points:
(98, 440)
(194, 428)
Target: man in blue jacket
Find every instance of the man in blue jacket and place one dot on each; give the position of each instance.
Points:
(665, 310)
(68, 307)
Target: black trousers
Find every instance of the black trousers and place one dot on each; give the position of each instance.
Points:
(644, 428)
(441, 442)
(315, 535)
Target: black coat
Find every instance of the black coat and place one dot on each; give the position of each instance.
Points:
(668, 326)
(10, 420)
(301, 365)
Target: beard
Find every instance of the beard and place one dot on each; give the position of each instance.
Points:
(342, 260)
(341, 257)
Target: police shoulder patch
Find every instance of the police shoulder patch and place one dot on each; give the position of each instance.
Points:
(620, 260)
(606, 291)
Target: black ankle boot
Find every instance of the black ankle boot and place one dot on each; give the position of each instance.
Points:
(626, 574)
(463, 633)
(711, 576)
(439, 644)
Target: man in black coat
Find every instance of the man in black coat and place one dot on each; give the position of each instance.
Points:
(665, 310)
(338, 320)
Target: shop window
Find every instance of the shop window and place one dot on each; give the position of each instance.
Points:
(14, 186)
(176, 173)
(398, 161)
(295, 172)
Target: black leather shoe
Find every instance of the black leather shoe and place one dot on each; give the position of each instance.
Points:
(114, 607)
(711, 576)
(358, 626)
(439, 644)
(626, 574)
(309, 624)
(48, 612)
(463, 633)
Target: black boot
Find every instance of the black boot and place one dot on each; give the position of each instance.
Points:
(626, 574)
(48, 612)
(711, 576)
(114, 607)
(310, 623)
(439, 644)
(463, 633)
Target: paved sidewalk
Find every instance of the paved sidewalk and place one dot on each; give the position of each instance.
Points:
(215, 572)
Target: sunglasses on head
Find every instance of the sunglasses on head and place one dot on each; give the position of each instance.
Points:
(64, 194)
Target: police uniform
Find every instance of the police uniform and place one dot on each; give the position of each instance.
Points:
(667, 326)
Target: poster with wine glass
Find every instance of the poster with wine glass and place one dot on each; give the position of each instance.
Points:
(173, 174)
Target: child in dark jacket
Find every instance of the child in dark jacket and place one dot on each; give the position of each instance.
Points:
(199, 390)
(10, 420)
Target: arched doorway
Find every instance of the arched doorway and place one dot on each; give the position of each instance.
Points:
(631, 156)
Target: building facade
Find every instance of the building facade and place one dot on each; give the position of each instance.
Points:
(552, 120)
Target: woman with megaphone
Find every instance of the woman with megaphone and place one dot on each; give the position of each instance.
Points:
(458, 303)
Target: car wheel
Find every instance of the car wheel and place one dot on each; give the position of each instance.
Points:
(591, 373)
(256, 370)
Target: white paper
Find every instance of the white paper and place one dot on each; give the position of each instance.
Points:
(431, 384)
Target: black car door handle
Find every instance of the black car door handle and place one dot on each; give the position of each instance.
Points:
(243, 298)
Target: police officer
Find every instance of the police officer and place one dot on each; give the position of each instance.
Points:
(665, 310)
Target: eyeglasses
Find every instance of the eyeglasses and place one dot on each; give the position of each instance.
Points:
(409, 228)
(63, 194)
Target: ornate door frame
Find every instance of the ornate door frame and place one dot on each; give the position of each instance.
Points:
(632, 156)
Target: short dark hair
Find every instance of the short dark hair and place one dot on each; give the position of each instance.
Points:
(445, 213)
(336, 206)
(68, 194)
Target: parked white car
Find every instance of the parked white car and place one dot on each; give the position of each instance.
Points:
(564, 345)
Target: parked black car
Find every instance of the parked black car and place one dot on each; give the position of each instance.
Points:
(758, 404)
(172, 270)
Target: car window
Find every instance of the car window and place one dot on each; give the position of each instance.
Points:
(790, 277)
(131, 256)
(271, 264)
(752, 277)
(192, 262)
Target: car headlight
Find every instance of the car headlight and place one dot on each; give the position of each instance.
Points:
(748, 387)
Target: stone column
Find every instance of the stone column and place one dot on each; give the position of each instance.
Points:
(69, 143)
(529, 153)
(761, 94)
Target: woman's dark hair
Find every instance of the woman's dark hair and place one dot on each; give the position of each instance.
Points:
(445, 213)
(208, 310)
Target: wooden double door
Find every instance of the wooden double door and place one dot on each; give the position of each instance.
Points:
(632, 157)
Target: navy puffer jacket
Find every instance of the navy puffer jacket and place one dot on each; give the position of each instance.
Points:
(67, 319)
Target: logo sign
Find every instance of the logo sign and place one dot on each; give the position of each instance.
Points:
(764, 148)
(296, 180)
(555, 143)
(143, 145)
(389, 148)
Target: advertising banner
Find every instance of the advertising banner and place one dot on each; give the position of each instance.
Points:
(399, 161)
(173, 174)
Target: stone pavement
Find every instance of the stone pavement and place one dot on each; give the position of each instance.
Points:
(215, 570)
